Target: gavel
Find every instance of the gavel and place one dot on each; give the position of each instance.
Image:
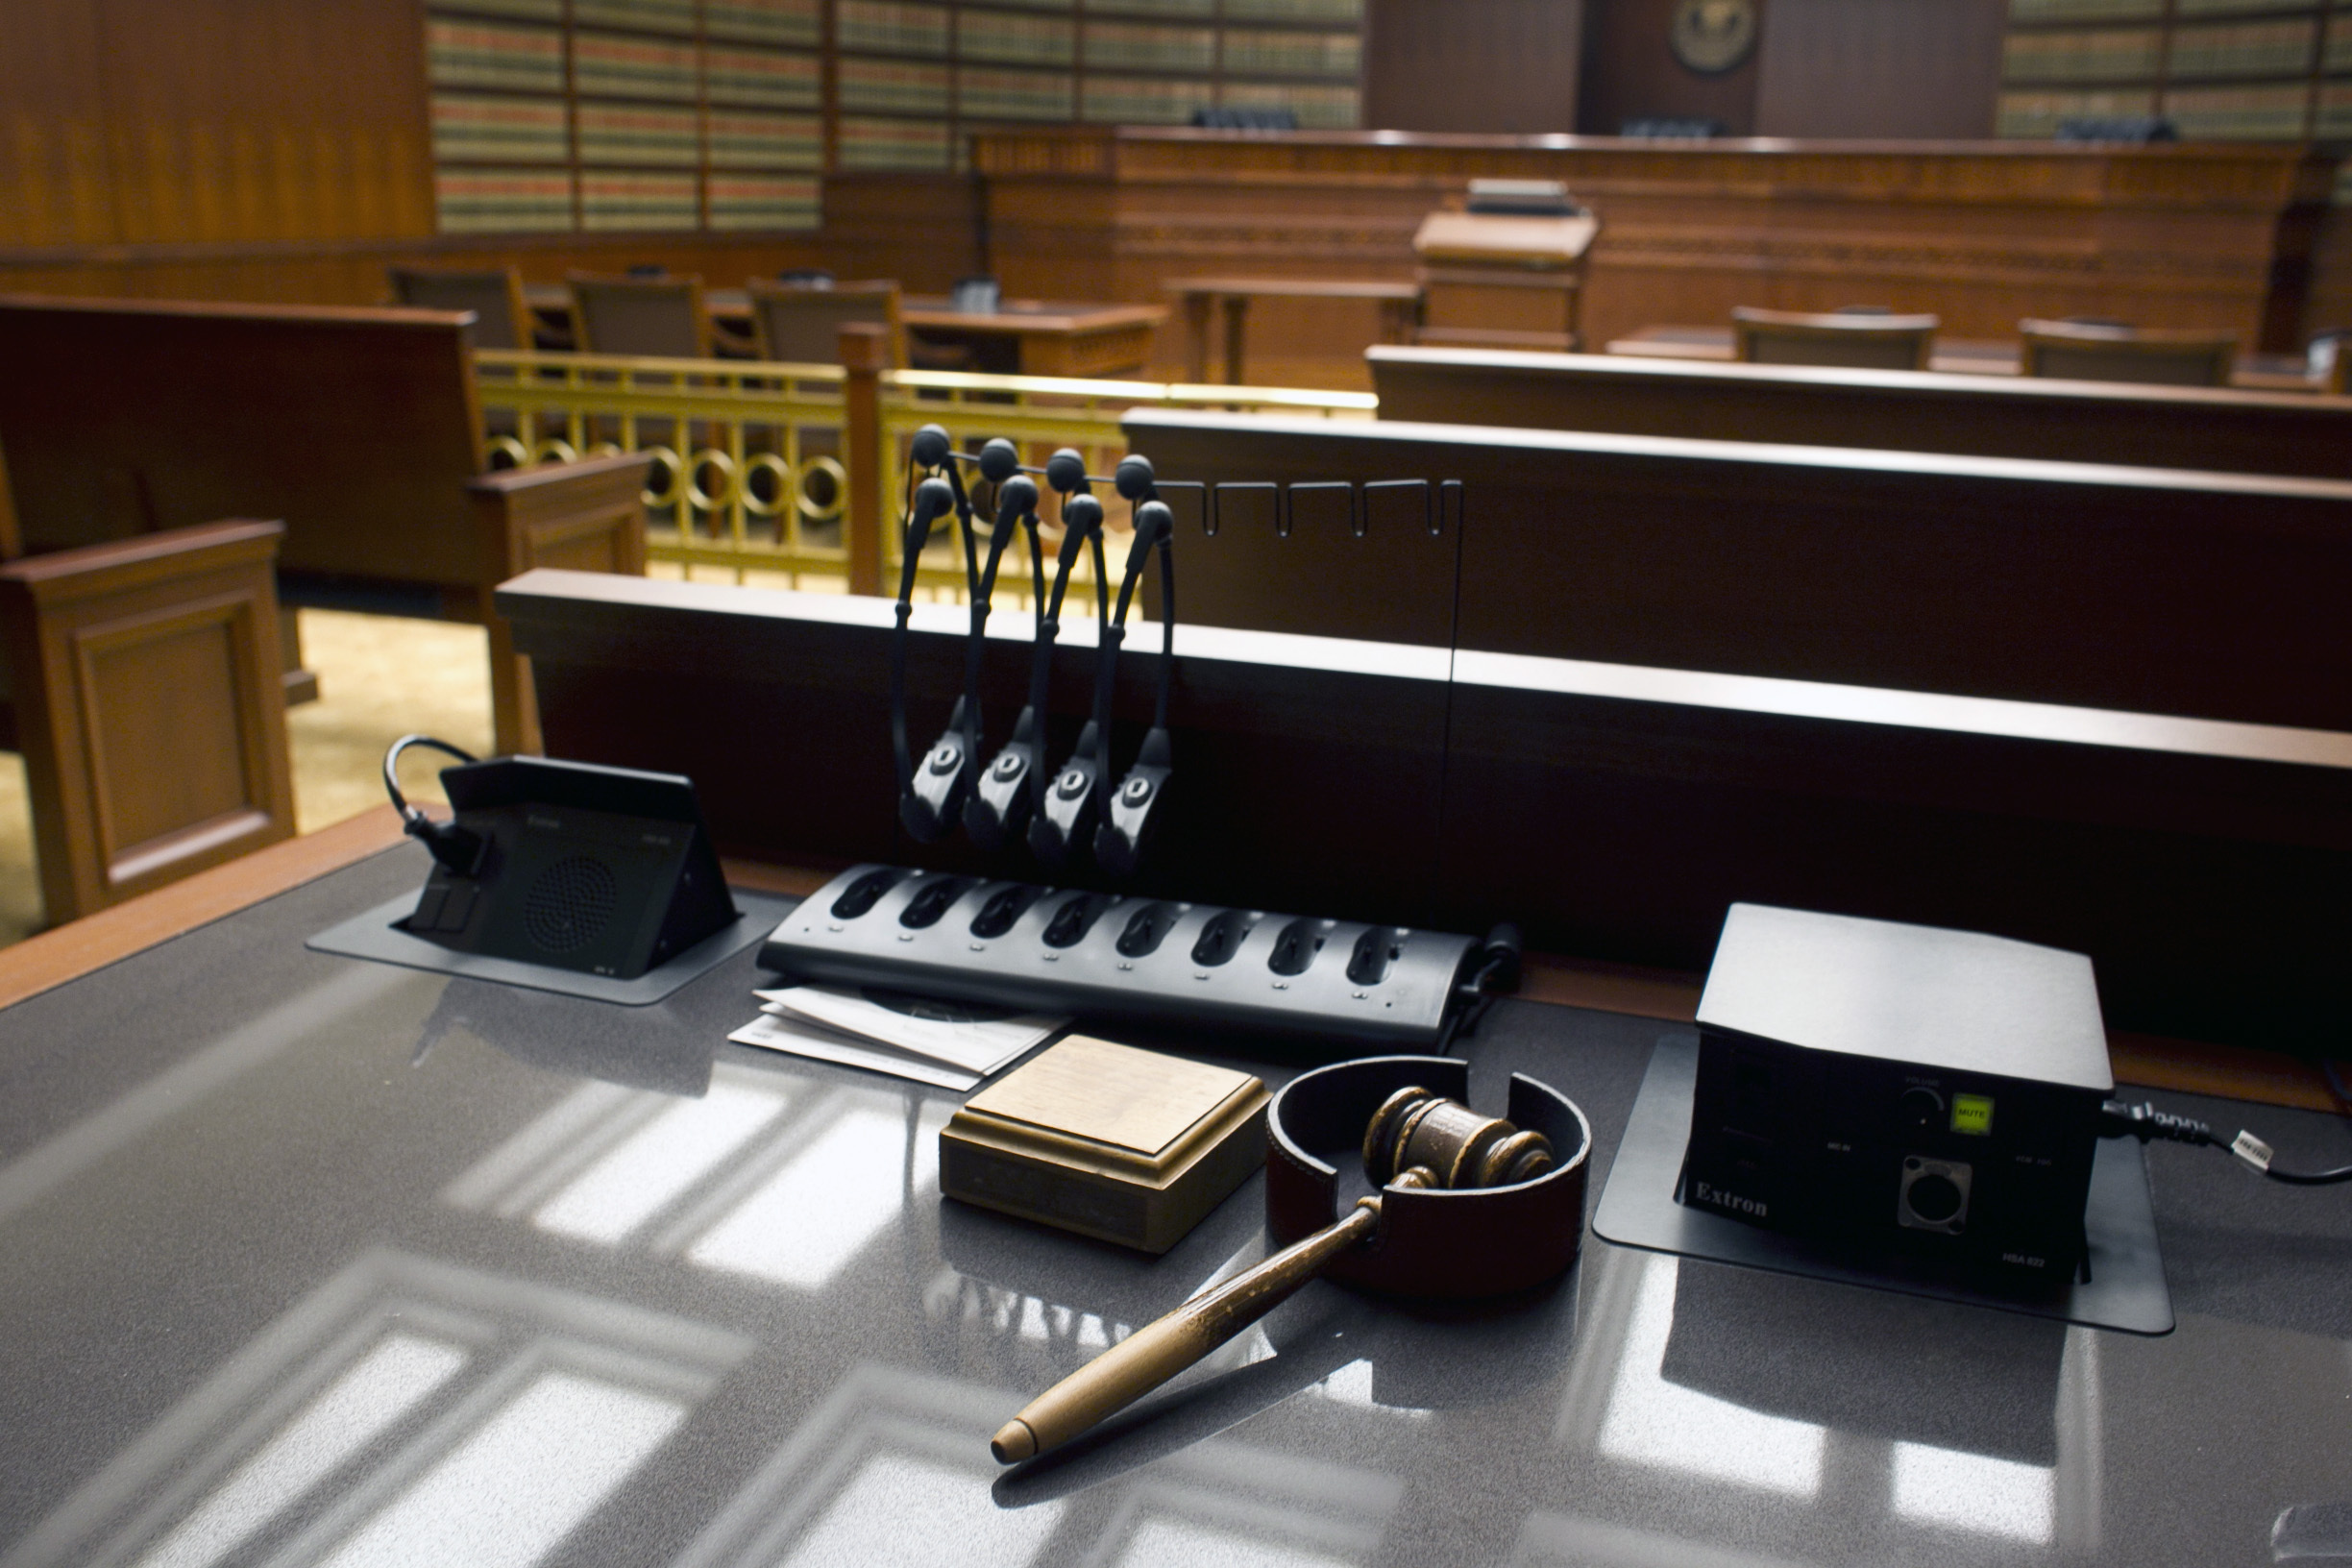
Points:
(1415, 1140)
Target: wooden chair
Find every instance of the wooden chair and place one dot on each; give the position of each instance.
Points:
(2084, 351)
(658, 317)
(1853, 339)
(2328, 360)
(144, 677)
(361, 429)
(796, 324)
(502, 320)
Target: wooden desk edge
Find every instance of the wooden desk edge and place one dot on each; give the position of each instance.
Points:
(49, 960)
(72, 950)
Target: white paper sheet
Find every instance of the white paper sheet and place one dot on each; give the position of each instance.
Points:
(794, 1037)
(969, 1036)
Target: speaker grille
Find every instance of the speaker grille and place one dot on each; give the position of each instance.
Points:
(569, 904)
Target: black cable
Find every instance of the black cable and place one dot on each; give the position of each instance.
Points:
(460, 849)
(2144, 1123)
(932, 498)
(1497, 974)
(1149, 535)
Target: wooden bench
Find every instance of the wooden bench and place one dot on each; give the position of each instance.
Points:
(2149, 590)
(2093, 421)
(146, 700)
(360, 427)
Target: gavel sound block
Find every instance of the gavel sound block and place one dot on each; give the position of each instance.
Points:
(1434, 1243)
(1414, 1143)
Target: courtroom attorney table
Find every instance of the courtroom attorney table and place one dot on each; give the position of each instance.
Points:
(1400, 306)
(1021, 337)
(313, 1260)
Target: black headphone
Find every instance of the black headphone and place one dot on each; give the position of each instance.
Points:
(999, 799)
(1074, 814)
(1061, 818)
(931, 800)
(459, 849)
(1131, 813)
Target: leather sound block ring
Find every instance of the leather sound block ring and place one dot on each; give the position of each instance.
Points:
(1432, 1243)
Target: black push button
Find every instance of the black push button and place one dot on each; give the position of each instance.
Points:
(864, 894)
(1375, 950)
(1074, 919)
(1220, 938)
(1296, 947)
(927, 906)
(1004, 906)
(1146, 928)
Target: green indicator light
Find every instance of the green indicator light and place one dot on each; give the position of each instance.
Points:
(1972, 1113)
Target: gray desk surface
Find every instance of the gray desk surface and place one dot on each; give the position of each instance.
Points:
(310, 1261)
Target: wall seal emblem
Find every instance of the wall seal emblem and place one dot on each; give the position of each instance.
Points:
(1712, 37)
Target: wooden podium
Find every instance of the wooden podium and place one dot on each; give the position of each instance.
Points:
(1504, 280)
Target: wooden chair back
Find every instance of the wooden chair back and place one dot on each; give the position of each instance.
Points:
(797, 325)
(358, 427)
(150, 708)
(494, 294)
(1900, 411)
(2095, 352)
(361, 429)
(658, 317)
(1857, 340)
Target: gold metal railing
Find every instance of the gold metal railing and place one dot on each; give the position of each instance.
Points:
(756, 464)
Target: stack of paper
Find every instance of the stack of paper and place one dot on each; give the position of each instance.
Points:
(953, 1045)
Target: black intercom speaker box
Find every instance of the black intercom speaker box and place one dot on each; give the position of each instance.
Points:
(1902, 1087)
(603, 870)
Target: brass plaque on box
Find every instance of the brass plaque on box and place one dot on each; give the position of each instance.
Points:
(1128, 1145)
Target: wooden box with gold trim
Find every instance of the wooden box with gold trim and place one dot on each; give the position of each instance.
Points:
(1128, 1145)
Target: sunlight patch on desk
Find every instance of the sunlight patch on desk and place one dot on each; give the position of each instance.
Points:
(523, 1481)
(821, 1208)
(1975, 1493)
(1653, 1422)
(1180, 1543)
(368, 1400)
(658, 1163)
(898, 1509)
(1352, 1385)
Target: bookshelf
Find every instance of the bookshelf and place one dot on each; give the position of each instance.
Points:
(666, 115)
(2244, 70)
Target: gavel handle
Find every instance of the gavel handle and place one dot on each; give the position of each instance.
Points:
(1150, 1355)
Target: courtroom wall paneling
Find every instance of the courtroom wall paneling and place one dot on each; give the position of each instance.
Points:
(1629, 71)
(214, 121)
(1500, 65)
(53, 133)
(2211, 596)
(1880, 69)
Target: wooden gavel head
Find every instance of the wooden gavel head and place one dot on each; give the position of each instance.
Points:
(1453, 1143)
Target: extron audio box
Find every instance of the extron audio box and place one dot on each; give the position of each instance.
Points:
(1899, 1088)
